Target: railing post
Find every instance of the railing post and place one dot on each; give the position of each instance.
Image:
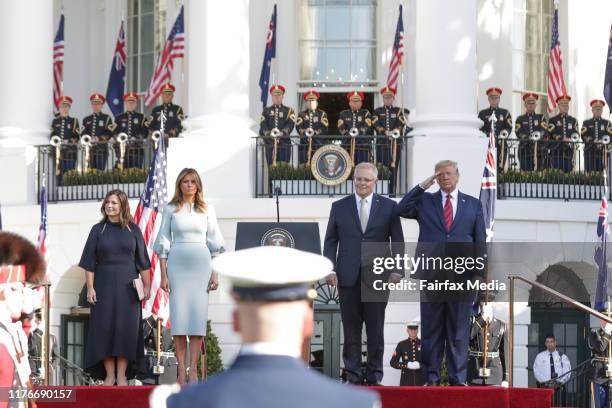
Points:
(511, 334)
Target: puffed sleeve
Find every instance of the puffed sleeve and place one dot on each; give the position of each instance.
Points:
(89, 258)
(163, 242)
(141, 257)
(214, 239)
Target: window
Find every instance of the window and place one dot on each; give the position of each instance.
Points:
(146, 31)
(337, 42)
(530, 49)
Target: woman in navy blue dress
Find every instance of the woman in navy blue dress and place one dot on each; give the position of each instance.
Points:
(113, 256)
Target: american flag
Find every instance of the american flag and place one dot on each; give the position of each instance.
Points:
(269, 54)
(58, 62)
(397, 53)
(148, 216)
(602, 292)
(43, 229)
(174, 48)
(556, 83)
(488, 185)
(116, 80)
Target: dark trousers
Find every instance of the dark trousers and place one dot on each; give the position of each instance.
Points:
(384, 155)
(593, 158)
(445, 327)
(601, 395)
(99, 156)
(283, 150)
(354, 314)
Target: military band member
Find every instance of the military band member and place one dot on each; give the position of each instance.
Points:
(277, 118)
(503, 121)
(311, 118)
(354, 123)
(132, 123)
(67, 129)
(389, 121)
(528, 127)
(100, 127)
(599, 343)
(173, 113)
(487, 328)
(593, 132)
(562, 128)
(407, 357)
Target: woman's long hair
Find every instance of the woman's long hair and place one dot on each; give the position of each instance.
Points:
(125, 216)
(178, 200)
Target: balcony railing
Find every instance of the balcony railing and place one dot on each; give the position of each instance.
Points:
(552, 169)
(72, 171)
(322, 166)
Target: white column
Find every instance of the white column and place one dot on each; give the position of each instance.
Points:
(445, 120)
(217, 141)
(26, 42)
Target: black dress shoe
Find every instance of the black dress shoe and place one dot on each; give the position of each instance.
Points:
(459, 385)
(374, 384)
(432, 384)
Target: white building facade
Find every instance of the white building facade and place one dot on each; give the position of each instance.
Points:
(454, 50)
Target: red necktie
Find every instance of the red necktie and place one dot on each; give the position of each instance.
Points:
(448, 213)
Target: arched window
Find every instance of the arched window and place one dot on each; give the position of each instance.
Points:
(145, 31)
(530, 49)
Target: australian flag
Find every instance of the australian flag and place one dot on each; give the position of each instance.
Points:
(488, 185)
(264, 78)
(608, 80)
(601, 258)
(116, 81)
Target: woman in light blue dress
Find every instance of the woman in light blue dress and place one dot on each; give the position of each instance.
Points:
(188, 239)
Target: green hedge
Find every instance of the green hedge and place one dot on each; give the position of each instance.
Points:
(552, 176)
(285, 171)
(95, 176)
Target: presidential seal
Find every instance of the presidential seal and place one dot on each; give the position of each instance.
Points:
(278, 237)
(331, 165)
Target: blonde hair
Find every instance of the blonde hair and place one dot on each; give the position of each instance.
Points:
(444, 163)
(178, 200)
(125, 216)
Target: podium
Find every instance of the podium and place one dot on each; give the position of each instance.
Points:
(299, 235)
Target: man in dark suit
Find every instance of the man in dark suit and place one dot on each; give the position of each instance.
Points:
(358, 219)
(272, 287)
(447, 216)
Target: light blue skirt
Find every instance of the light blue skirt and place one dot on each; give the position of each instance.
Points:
(189, 270)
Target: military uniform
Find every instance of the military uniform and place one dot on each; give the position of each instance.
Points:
(282, 118)
(67, 128)
(315, 120)
(525, 127)
(100, 127)
(592, 133)
(360, 146)
(561, 127)
(173, 113)
(503, 123)
(131, 123)
(409, 351)
(497, 346)
(599, 342)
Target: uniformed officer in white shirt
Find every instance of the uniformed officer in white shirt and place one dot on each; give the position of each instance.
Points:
(550, 365)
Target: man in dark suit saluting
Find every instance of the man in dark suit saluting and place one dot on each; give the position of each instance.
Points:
(370, 219)
(447, 216)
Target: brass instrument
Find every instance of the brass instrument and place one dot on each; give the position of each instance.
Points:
(85, 141)
(155, 137)
(575, 137)
(353, 132)
(605, 140)
(56, 142)
(309, 133)
(275, 133)
(394, 134)
(483, 371)
(504, 134)
(122, 139)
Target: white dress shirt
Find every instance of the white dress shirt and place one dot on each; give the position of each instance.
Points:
(453, 195)
(541, 366)
(368, 204)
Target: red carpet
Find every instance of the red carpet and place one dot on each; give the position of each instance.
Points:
(392, 397)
